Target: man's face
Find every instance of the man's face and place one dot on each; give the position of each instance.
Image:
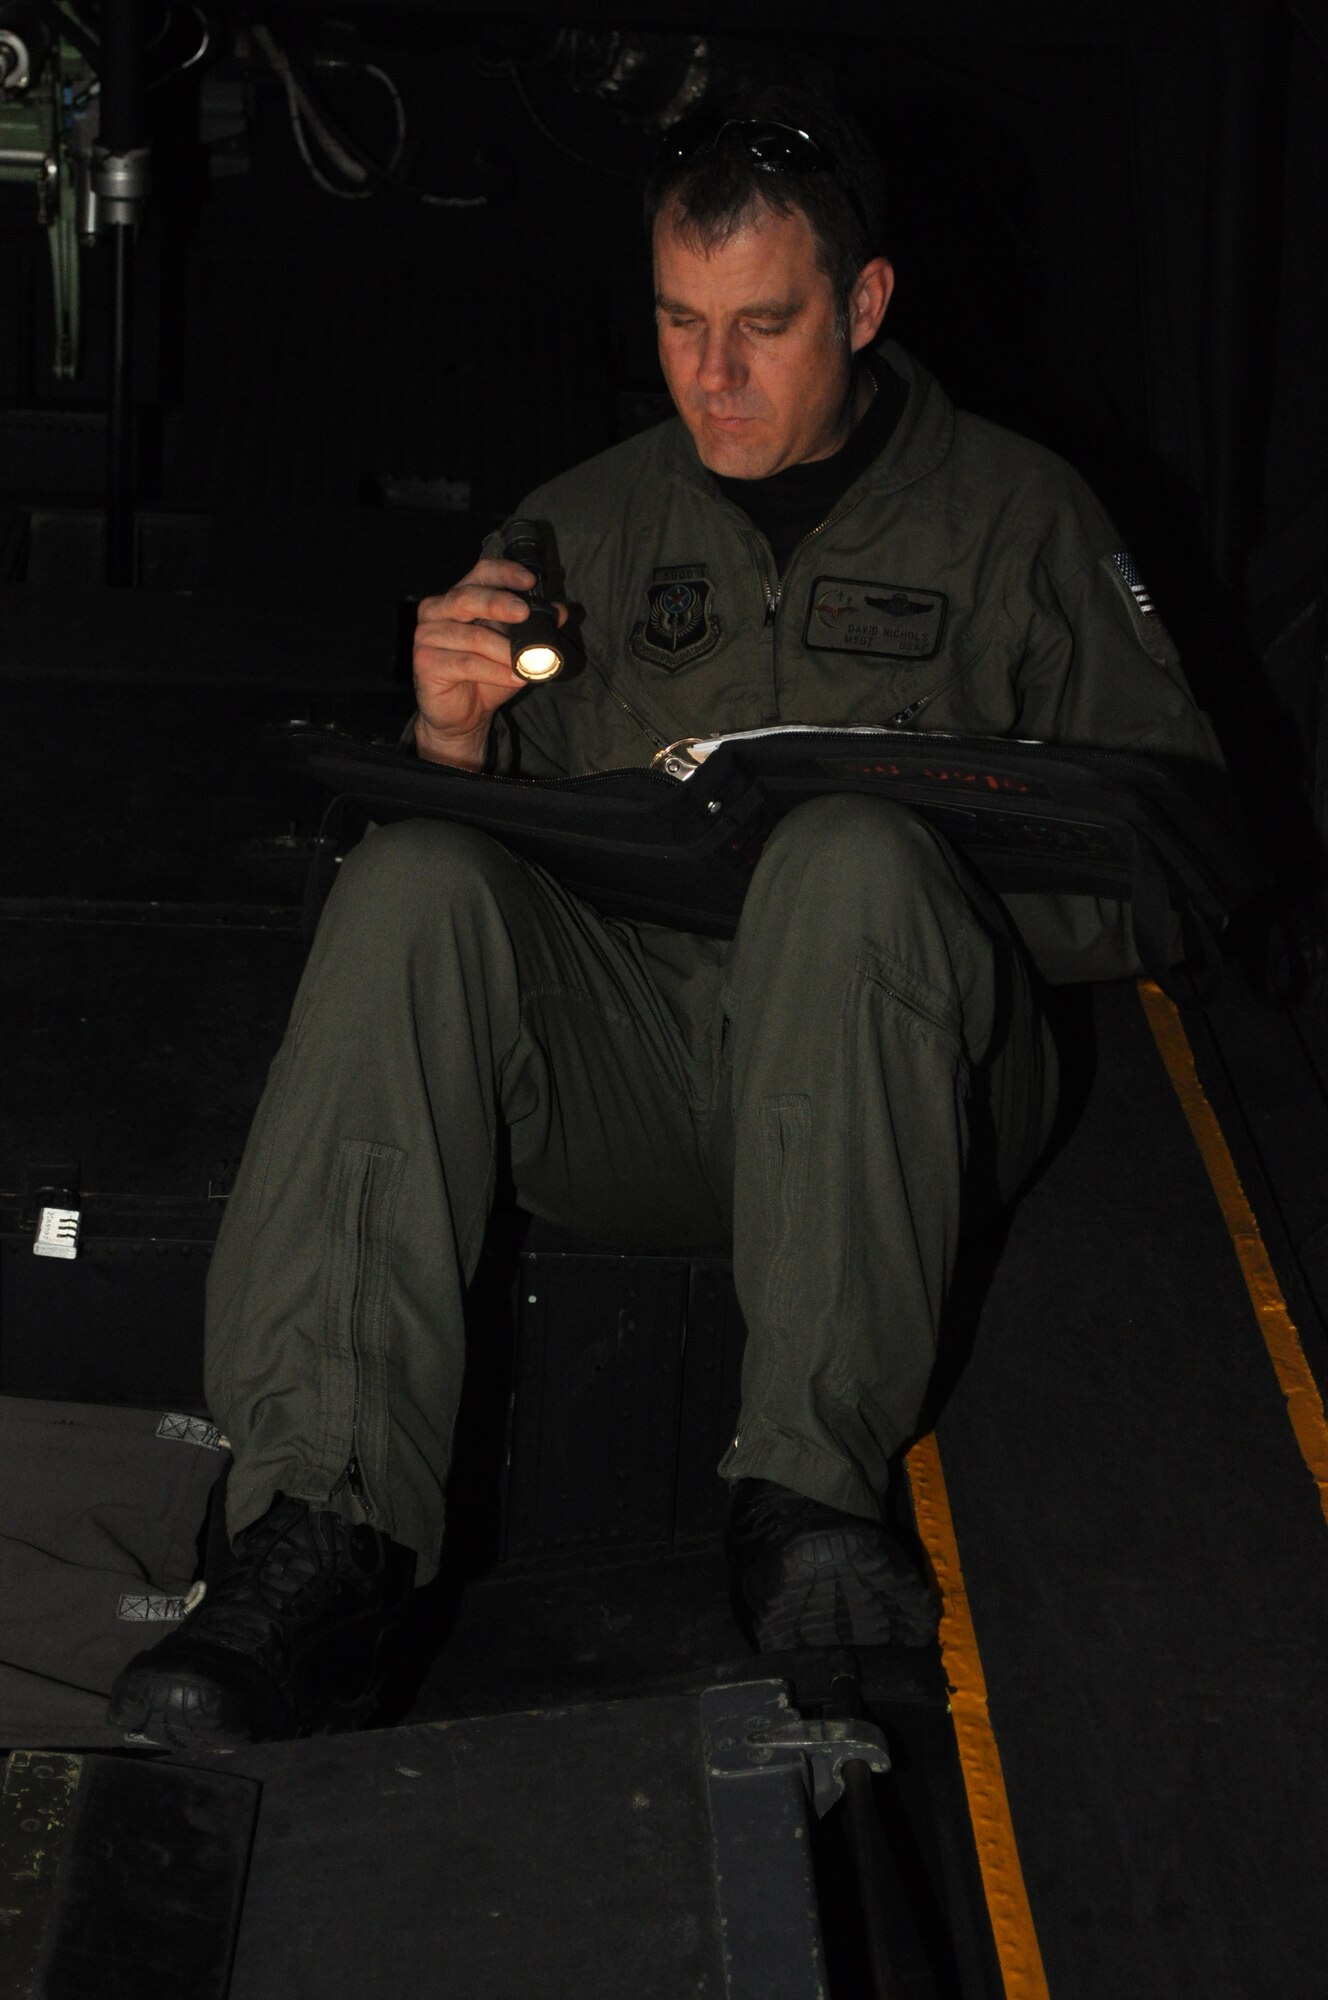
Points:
(747, 340)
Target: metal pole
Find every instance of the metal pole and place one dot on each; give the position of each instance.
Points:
(119, 416)
(123, 73)
(120, 181)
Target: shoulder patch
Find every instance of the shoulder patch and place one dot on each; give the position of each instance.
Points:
(1134, 583)
(679, 626)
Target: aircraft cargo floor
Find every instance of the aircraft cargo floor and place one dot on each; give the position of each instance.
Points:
(1120, 1500)
(1110, 1781)
(1131, 1545)
(1124, 1503)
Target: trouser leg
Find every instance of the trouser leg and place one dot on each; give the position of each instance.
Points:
(453, 995)
(889, 1070)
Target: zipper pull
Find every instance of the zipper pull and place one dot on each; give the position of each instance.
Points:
(758, 549)
(906, 715)
(351, 1477)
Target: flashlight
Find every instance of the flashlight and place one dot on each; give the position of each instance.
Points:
(536, 652)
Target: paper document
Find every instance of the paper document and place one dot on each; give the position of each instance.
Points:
(685, 757)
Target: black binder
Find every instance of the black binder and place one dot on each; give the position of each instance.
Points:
(1161, 833)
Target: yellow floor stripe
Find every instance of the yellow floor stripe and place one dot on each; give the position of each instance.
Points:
(1304, 1403)
(989, 1809)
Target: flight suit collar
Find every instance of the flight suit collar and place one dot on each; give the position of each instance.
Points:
(919, 443)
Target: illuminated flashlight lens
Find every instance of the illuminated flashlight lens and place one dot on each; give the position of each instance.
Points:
(538, 663)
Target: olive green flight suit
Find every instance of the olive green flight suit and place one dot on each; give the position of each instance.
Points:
(836, 1092)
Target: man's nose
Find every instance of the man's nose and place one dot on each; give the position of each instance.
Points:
(721, 367)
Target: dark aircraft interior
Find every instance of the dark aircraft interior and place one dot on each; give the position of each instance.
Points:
(296, 304)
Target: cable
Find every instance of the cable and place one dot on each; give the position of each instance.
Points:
(196, 57)
(88, 42)
(398, 110)
(299, 103)
(167, 19)
(398, 107)
(73, 31)
(316, 173)
(348, 157)
(506, 67)
(432, 200)
(89, 19)
(386, 178)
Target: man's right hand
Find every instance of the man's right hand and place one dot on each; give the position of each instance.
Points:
(463, 661)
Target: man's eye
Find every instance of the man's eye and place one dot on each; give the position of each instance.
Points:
(768, 332)
(676, 320)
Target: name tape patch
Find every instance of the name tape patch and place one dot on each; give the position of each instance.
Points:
(892, 621)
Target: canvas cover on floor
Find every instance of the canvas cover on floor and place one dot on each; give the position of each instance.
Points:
(101, 1513)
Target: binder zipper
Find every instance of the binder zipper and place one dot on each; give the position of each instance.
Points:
(385, 754)
(939, 740)
(678, 762)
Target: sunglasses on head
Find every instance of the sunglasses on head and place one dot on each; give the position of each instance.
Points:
(773, 147)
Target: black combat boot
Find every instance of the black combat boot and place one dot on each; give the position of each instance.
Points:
(808, 1575)
(295, 1634)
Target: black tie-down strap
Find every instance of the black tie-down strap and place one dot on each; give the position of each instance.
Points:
(1159, 833)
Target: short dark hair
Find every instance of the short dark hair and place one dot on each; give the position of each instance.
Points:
(710, 178)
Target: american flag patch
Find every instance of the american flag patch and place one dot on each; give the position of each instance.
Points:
(1138, 589)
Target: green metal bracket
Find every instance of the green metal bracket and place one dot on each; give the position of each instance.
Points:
(34, 149)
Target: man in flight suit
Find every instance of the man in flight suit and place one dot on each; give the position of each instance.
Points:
(817, 537)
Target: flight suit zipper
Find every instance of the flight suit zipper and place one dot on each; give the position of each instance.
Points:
(773, 593)
(774, 598)
(353, 1474)
(653, 735)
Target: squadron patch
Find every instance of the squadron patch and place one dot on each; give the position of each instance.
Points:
(892, 621)
(1134, 583)
(679, 626)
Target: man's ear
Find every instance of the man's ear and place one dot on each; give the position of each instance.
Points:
(868, 301)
